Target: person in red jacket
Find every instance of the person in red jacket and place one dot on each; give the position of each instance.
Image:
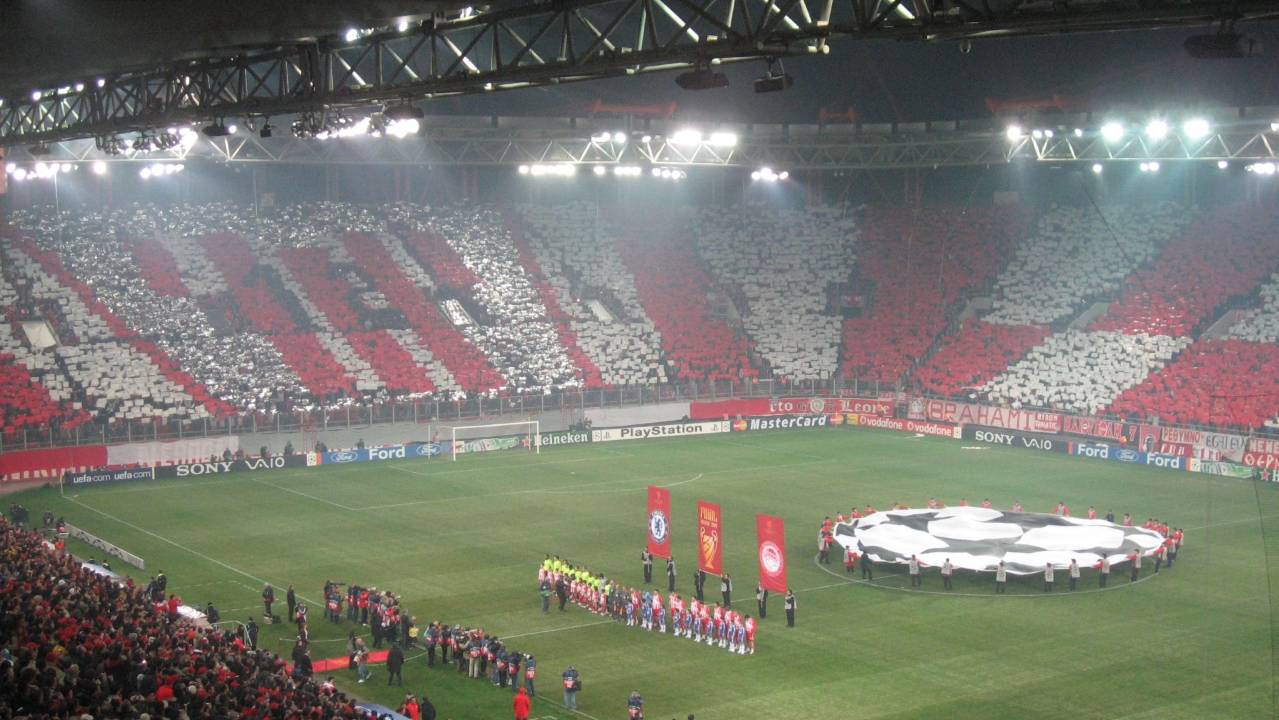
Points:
(521, 705)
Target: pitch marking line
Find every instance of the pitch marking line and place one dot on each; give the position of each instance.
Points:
(281, 488)
(180, 546)
(561, 629)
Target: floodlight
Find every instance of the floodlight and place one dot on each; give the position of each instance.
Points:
(1196, 128)
(20, 174)
(1037, 134)
(599, 170)
(687, 136)
(723, 139)
(352, 35)
(1222, 164)
(1156, 129)
(1013, 133)
(1096, 168)
(1112, 132)
(145, 173)
(402, 25)
(10, 167)
(523, 169)
(36, 95)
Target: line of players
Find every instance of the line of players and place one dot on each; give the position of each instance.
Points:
(715, 625)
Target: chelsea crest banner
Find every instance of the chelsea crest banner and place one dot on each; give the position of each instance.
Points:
(659, 518)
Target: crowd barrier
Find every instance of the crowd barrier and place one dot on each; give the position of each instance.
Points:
(1010, 429)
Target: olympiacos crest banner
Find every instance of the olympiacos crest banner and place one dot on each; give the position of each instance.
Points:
(770, 537)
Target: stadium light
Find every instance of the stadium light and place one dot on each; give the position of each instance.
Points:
(351, 35)
(79, 87)
(1196, 128)
(10, 167)
(1156, 129)
(1013, 133)
(1037, 134)
(619, 138)
(1264, 168)
(1096, 168)
(768, 175)
(145, 173)
(1112, 132)
(524, 170)
(19, 174)
(1079, 132)
(723, 139)
(102, 82)
(402, 25)
(599, 170)
(36, 95)
(1222, 164)
(687, 136)
(627, 171)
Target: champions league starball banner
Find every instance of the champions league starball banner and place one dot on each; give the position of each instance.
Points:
(710, 545)
(659, 521)
(770, 539)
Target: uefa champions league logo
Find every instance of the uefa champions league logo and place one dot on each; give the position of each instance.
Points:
(657, 526)
(770, 557)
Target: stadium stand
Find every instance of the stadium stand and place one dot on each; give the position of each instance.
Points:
(81, 644)
(784, 265)
(580, 262)
(1082, 371)
(917, 264)
(1229, 383)
(1223, 255)
(1075, 256)
(974, 354)
(1261, 324)
(673, 288)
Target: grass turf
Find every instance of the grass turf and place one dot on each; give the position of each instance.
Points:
(461, 542)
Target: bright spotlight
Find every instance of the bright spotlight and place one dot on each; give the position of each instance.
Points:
(1013, 133)
(42, 170)
(1079, 132)
(36, 95)
(783, 175)
(1156, 129)
(1196, 128)
(687, 136)
(145, 173)
(724, 139)
(1222, 164)
(231, 129)
(646, 139)
(1037, 134)
(79, 87)
(619, 138)
(10, 167)
(755, 175)
(523, 169)
(657, 172)
(1112, 132)
(352, 35)
(1096, 168)
(402, 25)
(599, 170)
(19, 174)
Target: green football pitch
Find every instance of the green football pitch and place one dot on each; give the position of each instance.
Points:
(460, 541)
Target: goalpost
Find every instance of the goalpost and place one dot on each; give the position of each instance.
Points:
(497, 436)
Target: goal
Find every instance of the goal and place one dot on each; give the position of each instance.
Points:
(523, 435)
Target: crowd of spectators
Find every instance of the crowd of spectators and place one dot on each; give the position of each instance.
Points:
(579, 260)
(1076, 255)
(78, 644)
(1082, 371)
(974, 354)
(785, 265)
(1261, 324)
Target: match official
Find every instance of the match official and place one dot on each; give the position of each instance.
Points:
(670, 574)
(790, 608)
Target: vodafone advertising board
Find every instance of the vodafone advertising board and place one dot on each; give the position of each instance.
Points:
(922, 427)
(957, 413)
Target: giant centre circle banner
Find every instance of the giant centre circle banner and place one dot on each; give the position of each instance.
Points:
(975, 538)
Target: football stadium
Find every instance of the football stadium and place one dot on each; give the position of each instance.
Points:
(637, 359)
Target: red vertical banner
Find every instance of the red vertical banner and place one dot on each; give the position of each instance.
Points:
(770, 536)
(710, 545)
(659, 521)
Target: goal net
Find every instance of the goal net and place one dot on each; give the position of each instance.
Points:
(464, 439)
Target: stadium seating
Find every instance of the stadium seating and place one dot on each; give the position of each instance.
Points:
(919, 264)
(1230, 383)
(1223, 255)
(784, 263)
(1261, 324)
(1076, 256)
(1081, 371)
(90, 646)
(976, 353)
(579, 260)
(673, 289)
